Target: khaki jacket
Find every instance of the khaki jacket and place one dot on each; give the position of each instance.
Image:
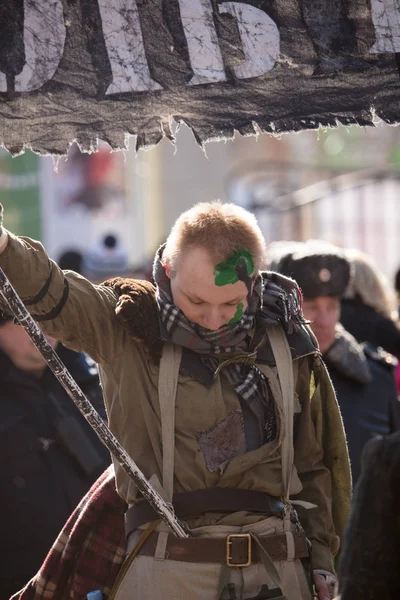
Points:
(83, 316)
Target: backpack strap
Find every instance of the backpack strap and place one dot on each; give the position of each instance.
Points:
(283, 359)
(167, 385)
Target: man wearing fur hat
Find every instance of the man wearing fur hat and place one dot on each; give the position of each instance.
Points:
(215, 387)
(362, 376)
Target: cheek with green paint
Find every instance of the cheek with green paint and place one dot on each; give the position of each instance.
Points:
(238, 314)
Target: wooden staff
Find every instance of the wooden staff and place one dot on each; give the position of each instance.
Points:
(162, 508)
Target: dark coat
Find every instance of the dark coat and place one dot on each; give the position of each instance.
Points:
(363, 379)
(42, 478)
(370, 558)
(89, 551)
(367, 325)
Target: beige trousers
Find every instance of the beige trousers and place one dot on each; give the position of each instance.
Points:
(151, 578)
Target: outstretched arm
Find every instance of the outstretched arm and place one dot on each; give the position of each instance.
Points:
(66, 305)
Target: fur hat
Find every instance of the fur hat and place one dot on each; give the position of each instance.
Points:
(320, 268)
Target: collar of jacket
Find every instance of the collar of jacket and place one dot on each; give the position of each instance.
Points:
(137, 309)
(347, 356)
(9, 373)
(81, 367)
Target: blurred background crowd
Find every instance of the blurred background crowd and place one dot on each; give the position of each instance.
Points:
(105, 214)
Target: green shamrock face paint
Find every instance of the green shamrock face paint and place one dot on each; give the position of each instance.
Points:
(238, 314)
(228, 271)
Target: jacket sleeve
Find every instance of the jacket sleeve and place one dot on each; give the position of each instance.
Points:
(322, 462)
(67, 306)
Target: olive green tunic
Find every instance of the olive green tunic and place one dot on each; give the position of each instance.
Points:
(87, 322)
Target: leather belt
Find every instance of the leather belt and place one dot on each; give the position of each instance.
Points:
(215, 499)
(235, 550)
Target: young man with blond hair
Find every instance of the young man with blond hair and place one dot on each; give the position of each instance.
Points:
(247, 434)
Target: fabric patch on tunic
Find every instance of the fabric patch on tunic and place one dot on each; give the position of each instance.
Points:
(222, 442)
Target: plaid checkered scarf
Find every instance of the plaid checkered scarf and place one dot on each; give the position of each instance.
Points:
(274, 299)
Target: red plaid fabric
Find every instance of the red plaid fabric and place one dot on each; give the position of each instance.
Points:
(88, 553)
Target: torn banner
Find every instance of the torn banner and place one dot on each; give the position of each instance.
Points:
(88, 69)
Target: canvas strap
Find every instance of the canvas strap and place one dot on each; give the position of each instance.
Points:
(283, 360)
(167, 386)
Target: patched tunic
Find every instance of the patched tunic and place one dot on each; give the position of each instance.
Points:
(210, 441)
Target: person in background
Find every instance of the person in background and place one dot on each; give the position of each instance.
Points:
(106, 259)
(362, 376)
(71, 260)
(368, 305)
(397, 289)
(49, 455)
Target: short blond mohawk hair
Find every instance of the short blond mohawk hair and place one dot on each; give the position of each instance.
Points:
(220, 228)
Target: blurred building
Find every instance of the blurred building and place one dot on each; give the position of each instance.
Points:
(20, 192)
(355, 210)
(336, 184)
(340, 185)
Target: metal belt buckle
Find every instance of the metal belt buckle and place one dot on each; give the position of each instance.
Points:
(229, 542)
